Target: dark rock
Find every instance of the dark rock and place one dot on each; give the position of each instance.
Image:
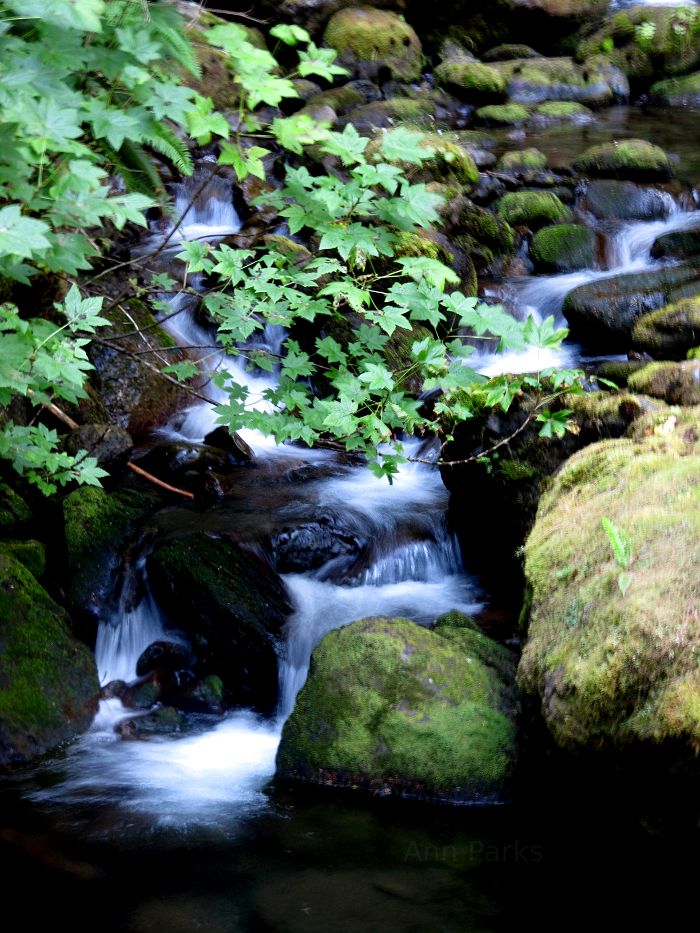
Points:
(163, 656)
(115, 689)
(163, 721)
(48, 680)
(142, 694)
(233, 444)
(110, 445)
(608, 199)
(308, 546)
(683, 244)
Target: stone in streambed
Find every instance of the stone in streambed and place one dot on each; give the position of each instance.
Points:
(532, 209)
(163, 721)
(471, 81)
(535, 80)
(394, 708)
(683, 244)
(370, 41)
(677, 92)
(635, 159)
(675, 383)
(611, 671)
(163, 656)
(563, 248)
(669, 332)
(608, 199)
(521, 160)
(503, 115)
(48, 680)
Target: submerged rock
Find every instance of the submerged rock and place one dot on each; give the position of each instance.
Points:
(48, 680)
(394, 708)
(613, 643)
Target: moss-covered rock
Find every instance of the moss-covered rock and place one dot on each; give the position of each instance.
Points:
(14, 511)
(502, 115)
(683, 244)
(610, 669)
(535, 80)
(470, 80)
(369, 41)
(394, 708)
(605, 311)
(677, 92)
(669, 332)
(341, 99)
(563, 248)
(507, 51)
(609, 199)
(647, 42)
(635, 159)
(553, 111)
(231, 606)
(479, 232)
(532, 209)
(31, 554)
(675, 383)
(521, 160)
(48, 680)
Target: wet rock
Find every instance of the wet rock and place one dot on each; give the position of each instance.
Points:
(675, 383)
(608, 199)
(520, 160)
(635, 159)
(163, 656)
(563, 248)
(532, 209)
(669, 332)
(110, 445)
(48, 680)
(683, 244)
(471, 81)
(163, 721)
(232, 443)
(559, 111)
(487, 190)
(503, 115)
(142, 694)
(201, 696)
(370, 42)
(605, 311)
(115, 689)
(392, 708)
(230, 605)
(535, 80)
(611, 662)
(677, 92)
(313, 544)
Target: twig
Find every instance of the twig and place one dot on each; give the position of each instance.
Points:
(159, 482)
(475, 457)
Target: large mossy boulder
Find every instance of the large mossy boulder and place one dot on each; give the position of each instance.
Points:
(48, 680)
(634, 159)
(230, 605)
(471, 80)
(609, 199)
(14, 511)
(370, 42)
(669, 332)
(533, 209)
(535, 80)
(675, 383)
(612, 653)
(604, 312)
(677, 92)
(647, 42)
(394, 708)
(312, 14)
(563, 248)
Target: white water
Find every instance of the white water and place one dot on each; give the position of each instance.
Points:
(629, 251)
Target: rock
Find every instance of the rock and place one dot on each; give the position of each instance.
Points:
(608, 199)
(142, 694)
(520, 160)
(115, 689)
(393, 708)
(31, 554)
(110, 445)
(677, 92)
(230, 605)
(564, 248)
(206, 696)
(48, 680)
(163, 721)
(647, 41)
(555, 111)
(532, 209)
(669, 332)
(471, 81)
(683, 244)
(312, 544)
(14, 511)
(503, 115)
(605, 311)
(615, 671)
(535, 80)
(507, 52)
(233, 443)
(618, 371)
(348, 96)
(97, 527)
(479, 232)
(568, 9)
(312, 14)
(675, 383)
(165, 656)
(372, 42)
(635, 159)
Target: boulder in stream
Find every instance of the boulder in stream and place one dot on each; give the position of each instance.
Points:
(634, 159)
(532, 209)
(669, 333)
(393, 708)
(48, 680)
(563, 248)
(535, 80)
(609, 199)
(681, 244)
(613, 644)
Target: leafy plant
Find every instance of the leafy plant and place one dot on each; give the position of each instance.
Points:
(621, 545)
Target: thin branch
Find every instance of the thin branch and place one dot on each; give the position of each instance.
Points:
(475, 457)
(158, 482)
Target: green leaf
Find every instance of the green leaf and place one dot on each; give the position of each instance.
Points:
(620, 542)
(84, 15)
(320, 62)
(432, 271)
(404, 145)
(182, 371)
(21, 236)
(349, 146)
(290, 34)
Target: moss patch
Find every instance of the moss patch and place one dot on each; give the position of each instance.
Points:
(31, 554)
(503, 114)
(675, 383)
(636, 159)
(520, 160)
(563, 248)
(388, 703)
(532, 209)
(669, 332)
(471, 80)
(368, 40)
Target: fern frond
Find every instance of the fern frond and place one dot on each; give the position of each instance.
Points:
(168, 25)
(166, 142)
(134, 166)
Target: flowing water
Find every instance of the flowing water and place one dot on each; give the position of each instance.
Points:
(184, 833)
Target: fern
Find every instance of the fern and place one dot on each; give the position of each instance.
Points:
(161, 138)
(177, 45)
(135, 167)
(620, 542)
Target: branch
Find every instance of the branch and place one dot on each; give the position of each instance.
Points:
(480, 456)
(158, 482)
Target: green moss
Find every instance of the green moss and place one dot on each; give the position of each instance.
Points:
(517, 470)
(341, 99)
(503, 114)
(520, 160)
(669, 332)
(563, 248)
(562, 110)
(532, 208)
(675, 383)
(388, 701)
(13, 509)
(677, 92)
(629, 158)
(450, 163)
(455, 619)
(48, 681)
(602, 663)
(535, 80)
(481, 227)
(471, 80)
(693, 354)
(367, 40)
(31, 554)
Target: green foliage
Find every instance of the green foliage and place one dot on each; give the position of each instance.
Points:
(621, 545)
